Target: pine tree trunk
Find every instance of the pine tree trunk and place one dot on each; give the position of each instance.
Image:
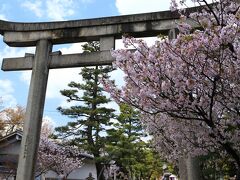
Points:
(238, 174)
(100, 175)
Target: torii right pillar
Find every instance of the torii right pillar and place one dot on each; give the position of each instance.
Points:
(189, 167)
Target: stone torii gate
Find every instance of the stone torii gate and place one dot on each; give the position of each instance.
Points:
(44, 36)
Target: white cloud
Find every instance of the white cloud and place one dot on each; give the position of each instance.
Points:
(3, 17)
(49, 121)
(56, 10)
(59, 79)
(59, 9)
(35, 7)
(144, 6)
(9, 52)
(6, 86)
(74, 48)
(87, 1)
(3, 10)
(141, 6)
(6, 93)
(26, 77)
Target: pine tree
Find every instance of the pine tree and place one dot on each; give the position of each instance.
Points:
(90, 117)
(131, 154)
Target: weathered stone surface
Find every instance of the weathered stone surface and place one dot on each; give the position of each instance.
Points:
(23, 27)
(34, 112)
(57, 61)
(138, 25)
(107, 43)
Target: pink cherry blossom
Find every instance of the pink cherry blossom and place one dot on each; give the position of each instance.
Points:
(188, 88)
(60, 159)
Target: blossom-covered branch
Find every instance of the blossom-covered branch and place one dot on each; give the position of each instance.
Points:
(188, 88)
(53, 156)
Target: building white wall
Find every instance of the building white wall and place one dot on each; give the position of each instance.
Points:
(11, 149)
(83, 172)
(80, 174)
(50, 174)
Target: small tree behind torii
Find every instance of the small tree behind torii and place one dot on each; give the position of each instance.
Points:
(11, 119)
(54, 156)
(60, 159)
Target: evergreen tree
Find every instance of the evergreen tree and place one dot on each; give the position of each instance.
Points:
(149, 164)
(131, 154)
(90, 117)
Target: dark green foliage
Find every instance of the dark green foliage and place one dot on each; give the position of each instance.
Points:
(213, 167)
(126, 147)
(89, 117)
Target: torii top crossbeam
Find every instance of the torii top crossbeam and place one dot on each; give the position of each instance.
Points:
(28, 34)
(138, 25)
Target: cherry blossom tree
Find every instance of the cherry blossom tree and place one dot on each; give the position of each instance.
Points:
(60, 159)
(53, 156)
(188, 88)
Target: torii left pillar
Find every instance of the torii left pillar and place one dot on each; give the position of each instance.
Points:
(34, 111)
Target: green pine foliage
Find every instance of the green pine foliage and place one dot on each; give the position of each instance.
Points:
(89, 116)
(213, 166)
(127, 148)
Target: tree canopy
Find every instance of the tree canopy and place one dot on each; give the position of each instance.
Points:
(128, 149)
(187, 88)
(11, 119)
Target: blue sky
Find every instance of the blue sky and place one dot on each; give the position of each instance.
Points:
(14, 85)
